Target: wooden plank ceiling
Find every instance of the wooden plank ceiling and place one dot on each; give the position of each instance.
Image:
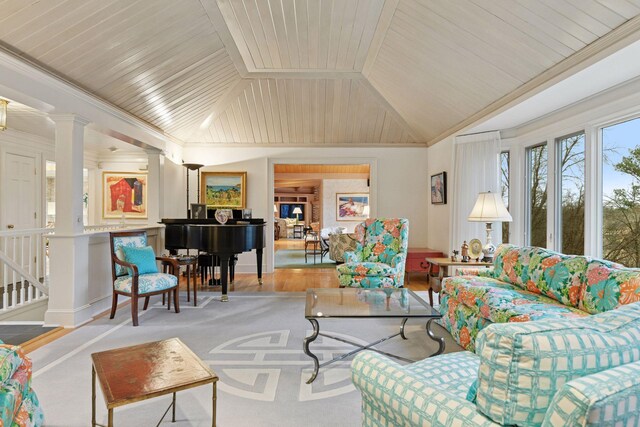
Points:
(304, 34)
(304, 72)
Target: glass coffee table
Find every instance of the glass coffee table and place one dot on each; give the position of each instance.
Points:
(357, 303)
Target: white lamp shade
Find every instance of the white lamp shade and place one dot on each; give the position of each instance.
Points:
(275, 209)
(365, 211)
(489, 208)
(297, 210)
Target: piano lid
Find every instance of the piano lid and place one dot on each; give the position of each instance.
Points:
(212, 221)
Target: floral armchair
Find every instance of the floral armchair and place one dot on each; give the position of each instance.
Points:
(135, 272)
(380, 255)
(19, 406)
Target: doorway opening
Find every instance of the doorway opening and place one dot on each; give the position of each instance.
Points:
(311, 203)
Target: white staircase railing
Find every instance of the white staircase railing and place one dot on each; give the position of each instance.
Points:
(24, 267)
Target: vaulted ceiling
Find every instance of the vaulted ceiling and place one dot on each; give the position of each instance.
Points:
(306, 72)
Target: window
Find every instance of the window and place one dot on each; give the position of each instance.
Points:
(571, 163)
(504, 190)
(537, 195)
(621, 193)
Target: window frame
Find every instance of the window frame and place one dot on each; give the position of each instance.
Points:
(509, 187)
(556, 232)
(527, 193)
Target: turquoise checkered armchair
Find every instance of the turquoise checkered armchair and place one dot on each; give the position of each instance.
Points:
(128, 281)
(380, 255)
(568, 372)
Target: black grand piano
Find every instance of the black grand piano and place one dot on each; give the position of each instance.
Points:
(222, 240)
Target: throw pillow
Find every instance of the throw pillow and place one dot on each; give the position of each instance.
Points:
(144, 258)
(523, 365)
(608, 286)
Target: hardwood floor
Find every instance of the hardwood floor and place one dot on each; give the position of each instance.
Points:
(281, 280)
(298, 280)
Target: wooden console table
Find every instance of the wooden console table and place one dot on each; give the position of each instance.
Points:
(440, 266)
(145, 371)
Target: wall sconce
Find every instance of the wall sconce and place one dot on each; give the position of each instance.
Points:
(3, 114)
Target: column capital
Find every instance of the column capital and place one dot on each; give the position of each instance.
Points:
(69, 118)
(154, 152)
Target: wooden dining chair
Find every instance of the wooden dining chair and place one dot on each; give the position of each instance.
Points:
(135, 272)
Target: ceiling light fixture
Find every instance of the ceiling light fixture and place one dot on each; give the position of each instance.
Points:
(3, 114)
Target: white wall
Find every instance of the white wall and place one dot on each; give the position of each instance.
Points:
(174, 203)
(331, 187)
(399, 186)
(440, 158)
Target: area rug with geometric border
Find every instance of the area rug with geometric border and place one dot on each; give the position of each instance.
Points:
(254, 344)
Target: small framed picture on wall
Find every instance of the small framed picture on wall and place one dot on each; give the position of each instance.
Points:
(439, 189)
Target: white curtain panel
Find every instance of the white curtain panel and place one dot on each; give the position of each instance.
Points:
(476, 169)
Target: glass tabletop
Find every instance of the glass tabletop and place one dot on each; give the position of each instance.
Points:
(356, 302)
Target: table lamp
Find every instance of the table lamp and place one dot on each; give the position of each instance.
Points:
(275, 209)
(297, 211)
(365, 211)
(489, 208)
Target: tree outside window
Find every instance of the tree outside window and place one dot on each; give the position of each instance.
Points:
(571, 158)
(537, 203)
(621, 193)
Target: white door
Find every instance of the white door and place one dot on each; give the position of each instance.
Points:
(20, 192)
(20, 207)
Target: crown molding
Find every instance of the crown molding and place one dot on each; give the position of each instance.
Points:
(623, 36)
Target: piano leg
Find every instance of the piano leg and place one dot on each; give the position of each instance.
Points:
(259, 261)
(232, 269)
(224, 275)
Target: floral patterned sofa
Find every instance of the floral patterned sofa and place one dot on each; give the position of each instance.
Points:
(19, 406)
(529, 283)
(380, 255)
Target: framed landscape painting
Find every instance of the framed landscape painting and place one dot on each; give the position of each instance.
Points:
(224, 189)
(351, 206)
(124, 193)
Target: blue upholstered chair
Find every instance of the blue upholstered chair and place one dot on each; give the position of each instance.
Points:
(135, 272)
(551, 372)
(380, 255)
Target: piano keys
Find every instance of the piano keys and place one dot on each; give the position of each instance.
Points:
(224, 241)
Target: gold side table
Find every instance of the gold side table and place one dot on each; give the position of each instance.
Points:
(144, 371)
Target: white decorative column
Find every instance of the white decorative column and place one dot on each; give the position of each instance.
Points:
(69, 303)
(155, 191)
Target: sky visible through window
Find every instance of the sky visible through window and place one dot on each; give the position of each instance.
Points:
(621, 193)
(616, 142)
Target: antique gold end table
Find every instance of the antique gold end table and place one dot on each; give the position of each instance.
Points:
(145, 371)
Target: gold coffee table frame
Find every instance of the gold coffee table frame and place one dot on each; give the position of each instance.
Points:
(140, 372)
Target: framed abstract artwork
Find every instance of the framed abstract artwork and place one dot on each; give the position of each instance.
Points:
(351, 206)
(224, 189)
(439, 189)
(124, 193)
